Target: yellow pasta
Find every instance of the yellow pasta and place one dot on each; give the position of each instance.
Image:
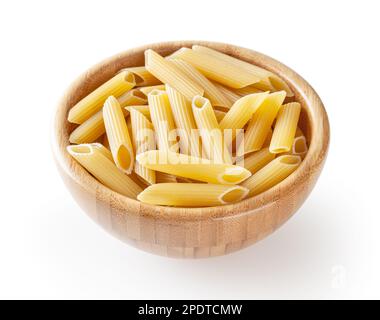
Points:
(268, 80)
(144, 109)
(261, 122)
(118, 135)
(211, 92)
(95, 160)
(242, 111)
(93, 102)
(273, 173)
(142, 76)
(191, 194)
(219, 115)
(212, 137)
(132, 97)
(143, 138)
(257, 160)
(184, 119)
(285, 128)
(217, 69)
(248, 90)
(299, 147)
(192, 167)
(168, 73)
(228, 93)
(268, 138)
(162, 119)
(147, 90)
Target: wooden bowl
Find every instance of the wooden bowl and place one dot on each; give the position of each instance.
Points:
(192, 232)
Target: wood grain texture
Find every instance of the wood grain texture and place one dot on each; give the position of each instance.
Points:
(192, 232)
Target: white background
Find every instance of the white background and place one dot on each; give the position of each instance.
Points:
(50, 249)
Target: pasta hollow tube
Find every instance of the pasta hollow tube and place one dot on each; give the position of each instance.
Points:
(242, 111)
(168, 73)
(299, 147)
(192, 194)
(192, 167)
(162, 119)
(144, 109)
(142, 76)
(147, 90)
(143, 138)
(96, 161)
(93, 102)
(247, 90)
(285, 128)
(132, 97)
(228, 93)
(269, 81)
(184, 120)
(211, 135)
(257, 160)
(118, 135)
(211, 92)
(218, 70)
(273, 173)
(261, 122)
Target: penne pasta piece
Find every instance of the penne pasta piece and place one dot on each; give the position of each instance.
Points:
(273, 173)
(143, 138)
(144, 109)
(168, 73)
(219, 70)
(247, 90)
(192, 167)
(93, 102)
(191, 194)
(147, 90)
(142, 76)
(211, 92)
(118, 135)
(162, 119)
(261, 122)
(184, 120)
(211, 135)
(162, 177)
(257, 160)
(95, 160)
(242, 111)
(268, 80)
(219, 115)
(299, 132)
(132, 97)
(285, 128)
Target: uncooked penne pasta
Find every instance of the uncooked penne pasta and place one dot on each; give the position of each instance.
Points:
(285, 128)
(142, 76)
(242, 111)
(184, 120)
(132, 97)
(93, 102)
(273, 173)
(299, 147)
(192, 167)
(211, 135)
(162, 119)
(247, 90)
(261, 122)
(168, 73)
(257, 160)
(228, 93)
(268, 80)
(118, 135)
(144, 109)
(143, 138)
(147, 90)
(217, 69)
(268, 138)
(95, 160)
(211, 92)
(192, 194)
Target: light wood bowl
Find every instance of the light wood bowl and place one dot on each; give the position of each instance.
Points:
(192, 232)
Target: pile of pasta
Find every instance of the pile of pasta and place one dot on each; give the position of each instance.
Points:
(196, 128)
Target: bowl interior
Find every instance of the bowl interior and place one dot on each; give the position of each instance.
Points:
(313, 122)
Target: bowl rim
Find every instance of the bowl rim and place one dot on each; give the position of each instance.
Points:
(305, 94)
